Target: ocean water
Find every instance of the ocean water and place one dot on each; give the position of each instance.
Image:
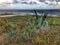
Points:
(51, 12)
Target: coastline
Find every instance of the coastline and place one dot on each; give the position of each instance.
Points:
(28, 14)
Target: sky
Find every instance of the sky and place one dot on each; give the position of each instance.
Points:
(5, 1)
(12, 0)
(17, 5)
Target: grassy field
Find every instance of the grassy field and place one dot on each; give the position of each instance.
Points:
(20, 30)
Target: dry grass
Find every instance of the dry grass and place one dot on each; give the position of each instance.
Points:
(46, 36)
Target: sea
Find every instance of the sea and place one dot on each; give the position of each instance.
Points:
(51, 12)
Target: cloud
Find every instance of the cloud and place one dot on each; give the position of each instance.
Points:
(5, 1)
(2, 1)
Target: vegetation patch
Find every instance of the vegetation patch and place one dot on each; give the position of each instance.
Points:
(21, 30)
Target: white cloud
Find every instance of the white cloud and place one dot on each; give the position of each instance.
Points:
(6, 1)
(2, 1)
